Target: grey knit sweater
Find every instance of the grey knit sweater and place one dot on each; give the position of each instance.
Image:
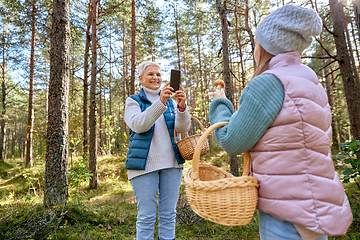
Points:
(161, 154)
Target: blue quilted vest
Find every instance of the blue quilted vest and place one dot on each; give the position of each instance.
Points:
(139, 144)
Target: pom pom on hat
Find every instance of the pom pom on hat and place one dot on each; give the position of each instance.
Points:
(287, 29)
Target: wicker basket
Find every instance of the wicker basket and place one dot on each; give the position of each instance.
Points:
(187, 145)
(218, 196)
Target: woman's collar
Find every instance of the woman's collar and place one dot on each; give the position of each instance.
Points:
(151, 91)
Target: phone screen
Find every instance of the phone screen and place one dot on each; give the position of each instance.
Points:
(175, 79)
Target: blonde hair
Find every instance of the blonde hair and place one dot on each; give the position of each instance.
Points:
(144, 65)
(264, 59)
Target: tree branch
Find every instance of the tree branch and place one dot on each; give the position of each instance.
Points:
(327, 52)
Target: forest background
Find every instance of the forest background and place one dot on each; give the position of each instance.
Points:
(206, 40)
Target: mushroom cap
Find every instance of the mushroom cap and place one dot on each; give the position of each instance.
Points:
(220, 83)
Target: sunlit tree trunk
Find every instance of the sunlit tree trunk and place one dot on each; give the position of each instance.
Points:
(110, 94)
(347, 34)
(126, 91)
(30, 126)
(355, 42)
(201, 78)
(221, 8)
(93, 183)
(356, 4)
(349, 77)
(86, 85)
(56, 180)
(101, 126)
(328, 88)
(240, 49)
(3, 95)
(132, 81)
(177, 38)
(248, 29)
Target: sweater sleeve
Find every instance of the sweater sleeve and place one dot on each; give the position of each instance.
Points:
(182, 119)
(139, 121)
(260, 103)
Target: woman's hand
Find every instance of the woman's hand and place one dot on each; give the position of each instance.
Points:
(218, 94)
(165, 93)
(180, 97)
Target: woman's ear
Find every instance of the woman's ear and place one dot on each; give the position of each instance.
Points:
(140, 79)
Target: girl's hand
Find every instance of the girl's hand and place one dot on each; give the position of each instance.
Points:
(219, 94)
(165, 93)
(180, 97)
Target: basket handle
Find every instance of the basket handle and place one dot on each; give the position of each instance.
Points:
(196, 157)
(201, 126)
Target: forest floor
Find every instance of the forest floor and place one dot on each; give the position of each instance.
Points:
(108, 212)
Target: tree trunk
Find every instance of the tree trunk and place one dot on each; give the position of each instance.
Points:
(125, 64)
(355, 42)
(93, 184)
(3, 97)
(30, 126)
(221, 8)
(100, 112)
(110, 96)
(13, 137)
(177, 38)
(132, 81)
(357, 14)
(248, 29)
(329, 90)
(56, 181)
(124, 86)
(240, 50)
(86, 86)
(202, 85)
(350, 81)
(347, 34)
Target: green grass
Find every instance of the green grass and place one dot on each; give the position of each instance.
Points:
(108, 212)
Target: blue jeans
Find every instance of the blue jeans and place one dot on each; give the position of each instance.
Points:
(273, 229)
(146, 187)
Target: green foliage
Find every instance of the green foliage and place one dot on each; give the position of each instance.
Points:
(111, 213)
(79, 176)
(76, 178)
(353, 194)
(350, 154)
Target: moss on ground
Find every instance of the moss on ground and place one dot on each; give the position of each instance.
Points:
(108, 212)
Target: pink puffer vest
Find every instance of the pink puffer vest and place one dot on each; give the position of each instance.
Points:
(292, 161)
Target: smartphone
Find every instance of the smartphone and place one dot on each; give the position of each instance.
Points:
(175, 79)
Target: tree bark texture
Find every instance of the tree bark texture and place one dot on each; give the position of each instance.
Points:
(177, 37)
(30, 126)
(110, 95)
(347, 34)
(93, 184)
(86, 86)
(221, 8)
(350, 82)
(355, 41)
(3, 96)
(356, 4)
(240, 50)
(56, 181)
(132, 77)
(248, 29)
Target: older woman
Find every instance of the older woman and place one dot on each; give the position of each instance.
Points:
(153, 161)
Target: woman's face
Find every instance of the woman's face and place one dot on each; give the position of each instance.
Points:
(257, 52)
(151, 77)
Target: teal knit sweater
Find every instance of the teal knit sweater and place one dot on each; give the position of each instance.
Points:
(260, 102)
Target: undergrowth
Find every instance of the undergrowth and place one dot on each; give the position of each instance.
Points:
(108, 212)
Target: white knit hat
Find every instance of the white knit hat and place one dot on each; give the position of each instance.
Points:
(287, 29)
